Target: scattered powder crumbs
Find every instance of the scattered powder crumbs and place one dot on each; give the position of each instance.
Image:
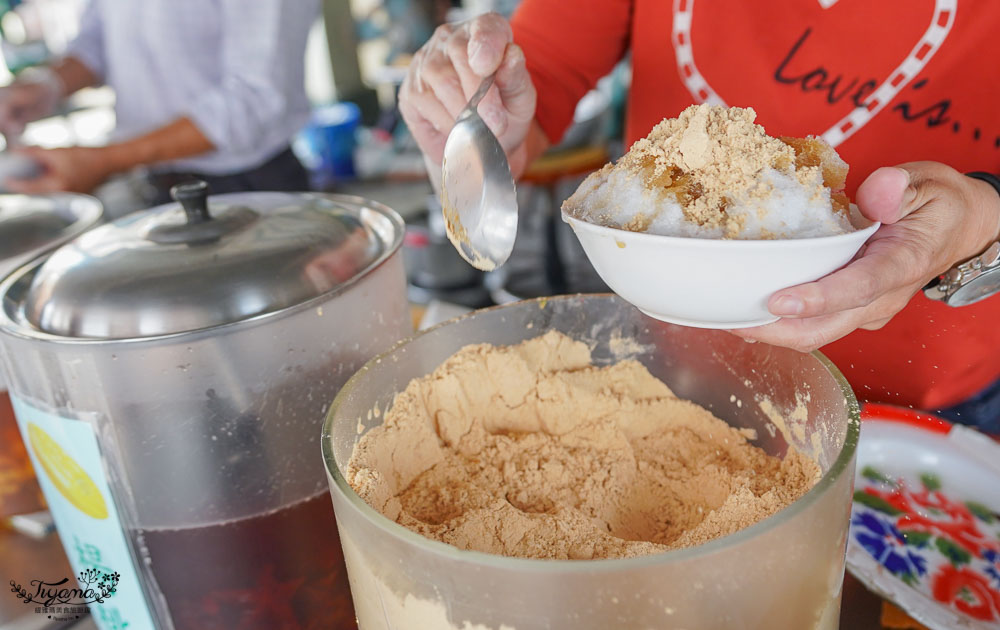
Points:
(531, 451)
(792, 425)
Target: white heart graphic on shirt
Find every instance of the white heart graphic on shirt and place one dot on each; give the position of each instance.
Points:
(912, 65)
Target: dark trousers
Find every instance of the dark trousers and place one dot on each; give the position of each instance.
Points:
(981, 411)
(283, 173)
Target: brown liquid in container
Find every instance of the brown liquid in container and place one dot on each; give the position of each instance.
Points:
(278, 571)
(19, 491)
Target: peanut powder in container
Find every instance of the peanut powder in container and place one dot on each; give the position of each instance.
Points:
(531, 451)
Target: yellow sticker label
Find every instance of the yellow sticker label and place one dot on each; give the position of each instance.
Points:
(66, 475)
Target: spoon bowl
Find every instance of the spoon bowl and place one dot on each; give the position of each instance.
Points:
(478, 197)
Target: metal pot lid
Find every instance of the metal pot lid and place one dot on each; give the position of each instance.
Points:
(206, 262)
(30, 224)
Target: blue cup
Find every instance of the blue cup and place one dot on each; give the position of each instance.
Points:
(326, 145)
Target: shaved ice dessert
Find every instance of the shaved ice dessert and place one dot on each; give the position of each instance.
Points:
(713, 173)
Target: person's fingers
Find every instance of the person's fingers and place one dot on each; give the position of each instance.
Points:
(44, 157)
(489, 35)
(438, 38)
(433, 74)
(887, 265)
(493, 113)
(515, 88)
(882, 196)
(512, 100)
(38, 185)
(428, 136)
(442, 79)
(434, 112)
(808, 334)
(458, 56)
(877, 324)
(437, 75)
(418, 99)
(805, 335)
(429, 80)
(891, 193)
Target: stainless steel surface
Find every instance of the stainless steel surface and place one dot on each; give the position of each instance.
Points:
(206, 434)
(156, 272)
(477, 189)
(30, 224)
(969, 282)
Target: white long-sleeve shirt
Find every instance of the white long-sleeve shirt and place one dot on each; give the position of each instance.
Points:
(235, 67)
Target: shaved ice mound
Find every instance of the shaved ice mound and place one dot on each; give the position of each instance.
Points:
(713, 173)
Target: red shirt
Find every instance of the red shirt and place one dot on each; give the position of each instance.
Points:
(885, 81)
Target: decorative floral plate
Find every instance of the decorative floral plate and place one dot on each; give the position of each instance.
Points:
(925, 527)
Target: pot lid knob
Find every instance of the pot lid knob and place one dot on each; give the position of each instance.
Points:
(193, 197)
(201, 226)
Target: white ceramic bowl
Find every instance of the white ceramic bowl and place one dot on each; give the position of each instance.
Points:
(711, 283)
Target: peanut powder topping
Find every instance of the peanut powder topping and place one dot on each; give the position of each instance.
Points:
(716, 170)
(721, 154)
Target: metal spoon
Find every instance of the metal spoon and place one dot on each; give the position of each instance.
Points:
(478, 198)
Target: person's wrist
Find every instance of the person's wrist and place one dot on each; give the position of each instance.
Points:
(118, 158)
(988, 189)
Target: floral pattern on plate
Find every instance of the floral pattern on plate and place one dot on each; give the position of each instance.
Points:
(943, 547)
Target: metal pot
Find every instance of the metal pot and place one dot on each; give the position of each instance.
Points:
(30, 225)
(170, 371)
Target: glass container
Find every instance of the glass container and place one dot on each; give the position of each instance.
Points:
(784, 572)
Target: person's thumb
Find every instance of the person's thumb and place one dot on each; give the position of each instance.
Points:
(513, 101)
(517, 92)
(887, 195)
(488, 38)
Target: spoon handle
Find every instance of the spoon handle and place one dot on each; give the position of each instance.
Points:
(470, 108)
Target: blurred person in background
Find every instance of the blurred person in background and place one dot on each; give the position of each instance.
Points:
(213, 90)
(797, 64)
